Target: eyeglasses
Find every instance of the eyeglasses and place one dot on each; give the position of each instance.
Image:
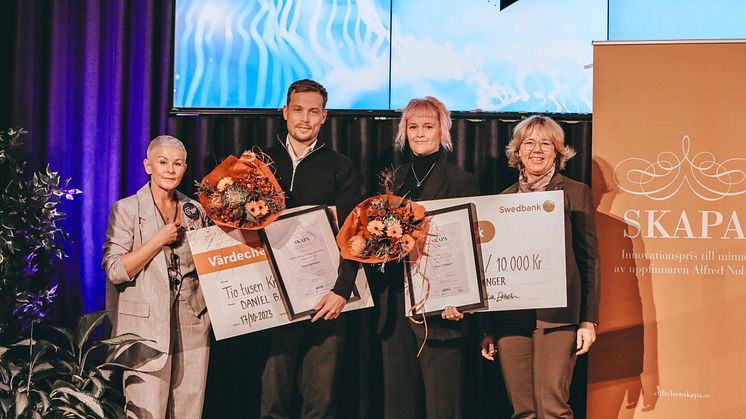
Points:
(529, 145)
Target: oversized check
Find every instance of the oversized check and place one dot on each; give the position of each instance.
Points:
(522, 239)
(241, 293)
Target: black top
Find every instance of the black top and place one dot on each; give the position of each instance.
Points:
(444, 181)
(420, 170)
(322, 177)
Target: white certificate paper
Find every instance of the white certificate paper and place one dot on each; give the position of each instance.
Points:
(449, 271)
(305, 256)
(522, 239)
(242, 294)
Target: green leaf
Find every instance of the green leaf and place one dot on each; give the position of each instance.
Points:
(21, 402)
(93, 404)
(114, 410)
(98, 386)
(106, 374)
(44, 398)
(40, 349)
(69, 411)
(67, 334)
(86, 324)
(43, 366)
(62, 384)
(25, 342)
(124, 339)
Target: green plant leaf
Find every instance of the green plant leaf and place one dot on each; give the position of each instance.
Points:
(69, 411)
(40, 349)
(43, 366)
(98, 386)
(114, 410)
(86, 324)
(21, 402)
(93, 404)
(62, 384)
(67, 334)
(44, 398)
(124, 339)
(106, 374)
(25, 342)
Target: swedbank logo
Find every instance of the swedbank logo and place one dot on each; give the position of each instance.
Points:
(547, 206)
(701, 173)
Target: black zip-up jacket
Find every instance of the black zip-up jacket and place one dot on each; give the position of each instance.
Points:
(323, 176)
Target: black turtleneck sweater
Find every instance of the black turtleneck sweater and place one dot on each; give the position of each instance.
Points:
(422, 166)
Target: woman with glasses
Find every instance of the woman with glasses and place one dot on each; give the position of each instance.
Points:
(538, 348)
(156, 291)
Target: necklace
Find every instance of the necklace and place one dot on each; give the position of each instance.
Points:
(163, 216)
(419, 182)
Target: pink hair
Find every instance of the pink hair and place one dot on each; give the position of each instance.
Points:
(427, 107)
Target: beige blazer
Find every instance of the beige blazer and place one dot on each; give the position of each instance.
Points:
(143, 302)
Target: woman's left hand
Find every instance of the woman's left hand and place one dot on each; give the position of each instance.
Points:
(452, 313)
(586, 337)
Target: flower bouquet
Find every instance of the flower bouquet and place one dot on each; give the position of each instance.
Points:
(242, 192)
(383, 228)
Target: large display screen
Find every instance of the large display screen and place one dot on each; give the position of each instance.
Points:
(244, 54)
(676, 19)
(533, 56)
(474, 55)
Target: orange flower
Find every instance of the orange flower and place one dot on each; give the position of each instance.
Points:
(216, 202)
(407, 243)
(394, 231)
(376, 227)
(357, 245)
(224, 183)
(263, 208)
(381, 213)
(253, 208)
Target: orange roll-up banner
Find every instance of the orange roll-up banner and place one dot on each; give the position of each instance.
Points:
(669, 181)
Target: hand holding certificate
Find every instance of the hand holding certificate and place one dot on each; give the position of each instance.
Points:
(522, 241)
(449, 270)
(304, 256)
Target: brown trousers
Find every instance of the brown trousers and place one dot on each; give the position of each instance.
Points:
(537, 370)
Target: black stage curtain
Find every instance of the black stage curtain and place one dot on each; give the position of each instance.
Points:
(479, 148)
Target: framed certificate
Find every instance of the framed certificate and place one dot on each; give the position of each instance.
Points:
(304, 257)
(449, 270)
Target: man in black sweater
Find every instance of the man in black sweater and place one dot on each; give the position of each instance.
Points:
(310, 173)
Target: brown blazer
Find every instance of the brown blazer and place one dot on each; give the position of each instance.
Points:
(143, 302)
(581, 261)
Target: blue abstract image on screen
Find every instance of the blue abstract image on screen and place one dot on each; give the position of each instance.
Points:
(244, 54)
(676, 19)
(533, 56)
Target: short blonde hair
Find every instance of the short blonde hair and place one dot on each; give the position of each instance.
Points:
(546, 126)
(165, 141)
(426, 107)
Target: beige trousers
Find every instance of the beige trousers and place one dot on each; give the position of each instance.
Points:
(177, 390)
